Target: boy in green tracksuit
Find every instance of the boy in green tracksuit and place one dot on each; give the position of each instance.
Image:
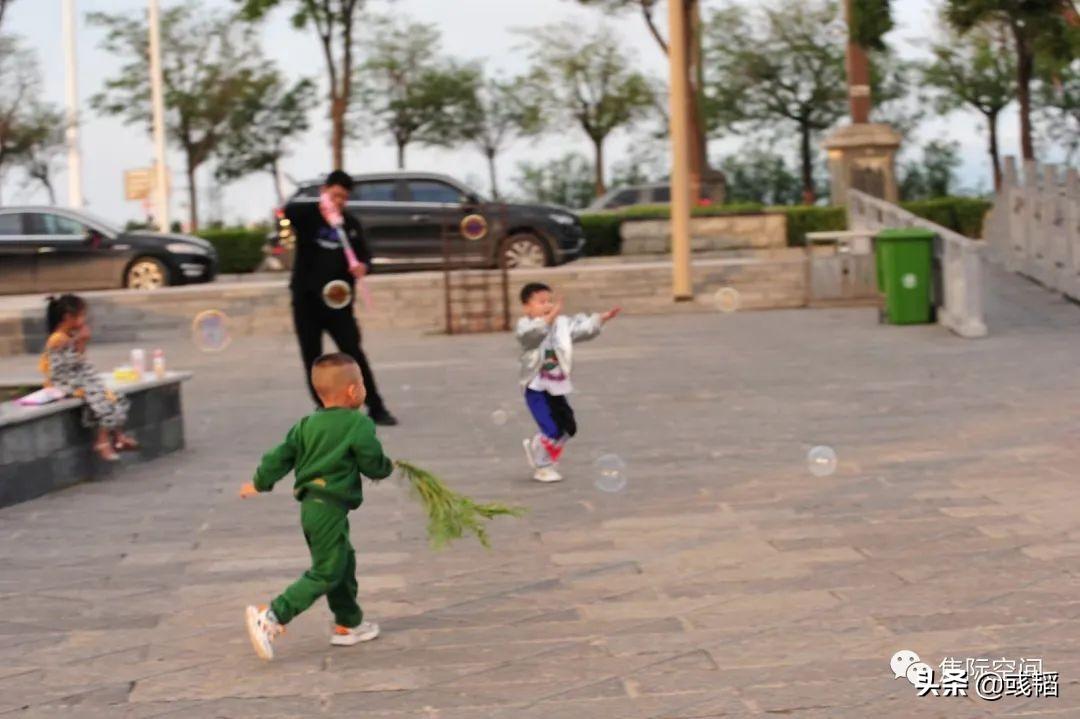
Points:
(329, 451)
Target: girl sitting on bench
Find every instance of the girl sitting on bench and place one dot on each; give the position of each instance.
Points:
(65, 367)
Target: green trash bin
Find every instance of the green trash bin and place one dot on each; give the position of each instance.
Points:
(903, 257)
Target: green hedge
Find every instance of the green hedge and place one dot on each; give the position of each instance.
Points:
(802, 219)
(960, 214)
(239, 249)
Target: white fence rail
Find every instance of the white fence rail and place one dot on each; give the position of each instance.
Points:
(961, 308)
(1034, 226)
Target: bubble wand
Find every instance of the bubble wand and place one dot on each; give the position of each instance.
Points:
(334, 218)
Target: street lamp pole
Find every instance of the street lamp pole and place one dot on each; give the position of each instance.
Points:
(71, 93)
(157, 99)
(682, 284)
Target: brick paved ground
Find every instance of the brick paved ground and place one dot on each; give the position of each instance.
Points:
(724, 581)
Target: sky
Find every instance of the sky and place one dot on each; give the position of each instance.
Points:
(486, 30)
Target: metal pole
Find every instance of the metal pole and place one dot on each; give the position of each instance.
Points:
(71, 92)
(682, 284)
(161, 178)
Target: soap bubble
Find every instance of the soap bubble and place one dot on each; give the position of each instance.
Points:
(210, 331)
(499, 417)
(727, 299)
(611, 473)
(337, 294)
(822, 461)
(909, 281)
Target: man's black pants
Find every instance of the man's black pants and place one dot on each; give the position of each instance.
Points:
(311, 317)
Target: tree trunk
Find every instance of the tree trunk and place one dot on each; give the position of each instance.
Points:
(995, 160)
(49, 189)
(696, 151)
(599, 188)
(1025, 62)
(275, 170)
(401, 155)
(646, 11)
(193, 199)
(337, 133)
(492, 174)
(808, 194)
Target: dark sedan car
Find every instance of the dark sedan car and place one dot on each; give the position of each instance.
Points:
(48, 249)
(404, 215)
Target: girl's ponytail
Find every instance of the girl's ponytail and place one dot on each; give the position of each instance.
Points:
(60, 307)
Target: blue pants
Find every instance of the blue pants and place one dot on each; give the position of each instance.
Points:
(552, 414)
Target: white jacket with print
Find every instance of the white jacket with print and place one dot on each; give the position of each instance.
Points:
(564, 331)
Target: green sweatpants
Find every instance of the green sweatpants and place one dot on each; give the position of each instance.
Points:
(333, 566)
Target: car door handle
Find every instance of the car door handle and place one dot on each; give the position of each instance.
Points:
(46, 250)
(419, 218)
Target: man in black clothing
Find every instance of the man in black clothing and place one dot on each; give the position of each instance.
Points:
(320, 258)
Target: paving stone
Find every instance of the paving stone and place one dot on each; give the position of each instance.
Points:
(725, 581)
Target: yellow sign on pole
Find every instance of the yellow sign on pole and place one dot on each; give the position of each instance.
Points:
(138, 183)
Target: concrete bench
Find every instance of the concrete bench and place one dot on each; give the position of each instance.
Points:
(46, 448)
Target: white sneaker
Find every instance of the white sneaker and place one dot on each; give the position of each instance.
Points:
(528, 445)
(262, 630)
(547, 474)
(346, 637)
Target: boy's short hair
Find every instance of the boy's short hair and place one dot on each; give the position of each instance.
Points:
(531, 289)
(328, 370)
(339, 178)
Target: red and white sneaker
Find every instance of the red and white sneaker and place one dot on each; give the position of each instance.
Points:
(346, 636)
(547, 474)
(262, 631)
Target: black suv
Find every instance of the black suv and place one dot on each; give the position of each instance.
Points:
(406, 214)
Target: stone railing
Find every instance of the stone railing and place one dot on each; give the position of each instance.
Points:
(1034, 226)
(961, 304)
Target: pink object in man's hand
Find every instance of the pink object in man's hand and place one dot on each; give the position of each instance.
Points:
(350, 256)
(329, 211)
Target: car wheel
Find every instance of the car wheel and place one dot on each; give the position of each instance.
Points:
(522, 251)
(146, 273)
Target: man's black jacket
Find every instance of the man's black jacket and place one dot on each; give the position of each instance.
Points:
(320, 257)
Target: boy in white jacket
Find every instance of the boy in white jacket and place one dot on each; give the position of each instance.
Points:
(547, 341)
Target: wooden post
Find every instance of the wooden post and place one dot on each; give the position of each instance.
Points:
(682, 284)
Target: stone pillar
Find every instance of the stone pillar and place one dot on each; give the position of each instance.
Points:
(863, 156)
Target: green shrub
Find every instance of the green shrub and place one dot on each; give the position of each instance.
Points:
(802, 219)
(601, 234)
(239, 249)
(960, 214)
(663, 212)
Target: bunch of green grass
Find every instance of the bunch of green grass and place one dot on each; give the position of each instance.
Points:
(451, 515)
